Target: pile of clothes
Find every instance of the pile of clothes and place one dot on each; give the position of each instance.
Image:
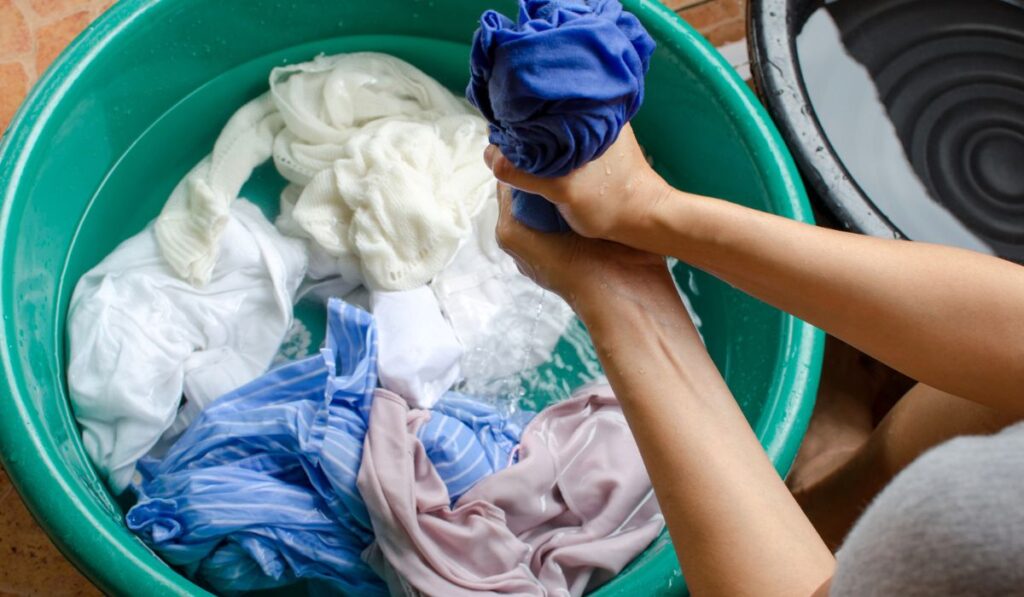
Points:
(314, 472)
(356, 469)
(389, 205)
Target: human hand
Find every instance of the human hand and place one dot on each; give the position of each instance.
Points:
(607, 198)
(583, 271)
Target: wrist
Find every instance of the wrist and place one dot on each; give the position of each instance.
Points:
(692, 228)
(649, 195)
(612, 300)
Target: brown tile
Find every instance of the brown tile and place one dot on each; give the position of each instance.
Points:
(729, 31)
(713, 13)
(29, 563)
(5, 484)
(15, 37)
(681, 4)
(48, 9)
(99, 6)
(13, 87)
(53, 38)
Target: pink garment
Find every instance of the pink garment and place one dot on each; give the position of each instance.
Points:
(575, 509)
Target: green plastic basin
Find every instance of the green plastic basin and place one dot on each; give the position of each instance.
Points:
(140, 96)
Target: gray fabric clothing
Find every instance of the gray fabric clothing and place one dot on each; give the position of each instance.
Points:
(952, 523)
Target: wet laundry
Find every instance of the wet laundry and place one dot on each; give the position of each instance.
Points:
(326, 101)
(419, 353)
(505, 322)
(264, 480)
(141, 338)
(388, 204)
(575, 509)
(190, 227)
(323, 123)
(261, 491)
(401, 199)
(557, 85)
(467, 440)
(385, 164)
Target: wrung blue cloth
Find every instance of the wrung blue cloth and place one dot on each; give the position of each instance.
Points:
(557, 87)
(260, 491)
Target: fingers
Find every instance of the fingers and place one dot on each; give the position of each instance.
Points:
(513, 236)
(507, 173)
(509, 232)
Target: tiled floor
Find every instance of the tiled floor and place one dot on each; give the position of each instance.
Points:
(32, 34)
(29, 563)
(721, 21)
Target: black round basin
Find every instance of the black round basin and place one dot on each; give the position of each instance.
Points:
(906, 117)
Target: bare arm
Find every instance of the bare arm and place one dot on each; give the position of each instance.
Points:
(947, 317)
(736, 528)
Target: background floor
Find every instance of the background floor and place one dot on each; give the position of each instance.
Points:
(32, 34)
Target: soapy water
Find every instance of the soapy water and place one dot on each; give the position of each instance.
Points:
(297, 344)
(572, 363)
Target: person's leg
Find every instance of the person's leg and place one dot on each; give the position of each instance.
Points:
(852, 385)
(923, 418)
(950, 523)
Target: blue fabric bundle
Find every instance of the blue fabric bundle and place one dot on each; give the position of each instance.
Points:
(557, 87)
(260, 491)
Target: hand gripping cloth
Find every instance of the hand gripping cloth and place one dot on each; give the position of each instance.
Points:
(557, 86)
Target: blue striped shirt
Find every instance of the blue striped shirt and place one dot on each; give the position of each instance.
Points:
(261, 492)
(468, 440)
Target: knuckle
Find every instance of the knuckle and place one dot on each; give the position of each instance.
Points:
(502, 169)
(562, 188)
(505, 234)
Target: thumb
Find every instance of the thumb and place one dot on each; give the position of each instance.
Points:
(507, 173)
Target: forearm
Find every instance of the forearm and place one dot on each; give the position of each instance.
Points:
(950, 318)
(736, 528)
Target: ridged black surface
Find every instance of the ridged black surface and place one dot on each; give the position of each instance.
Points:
(772, 27)
(951, 75)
